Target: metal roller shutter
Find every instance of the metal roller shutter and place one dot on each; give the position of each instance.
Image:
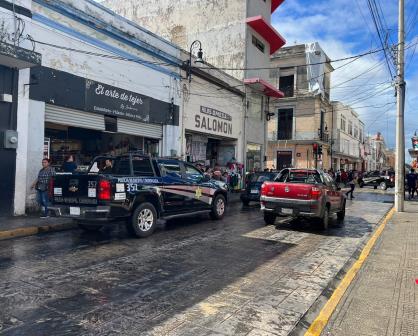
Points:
(140, 129)
(71, 117)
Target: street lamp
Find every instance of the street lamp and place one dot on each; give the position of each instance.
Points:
(199, 58)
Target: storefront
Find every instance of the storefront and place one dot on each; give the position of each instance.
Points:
(97, 119)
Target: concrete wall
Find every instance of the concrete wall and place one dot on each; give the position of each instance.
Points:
(219, 25)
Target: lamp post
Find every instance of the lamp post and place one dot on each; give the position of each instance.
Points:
(199, 58)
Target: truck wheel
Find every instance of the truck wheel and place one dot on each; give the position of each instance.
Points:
(218, 207)
(341, 214)
(89, 227)
(144, 220)
(324, 221)
(269, 218)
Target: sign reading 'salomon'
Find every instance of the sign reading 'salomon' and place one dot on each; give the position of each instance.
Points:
(213, 120)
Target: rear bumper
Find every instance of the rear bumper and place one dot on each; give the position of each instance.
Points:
(91, 214)
(291, 207)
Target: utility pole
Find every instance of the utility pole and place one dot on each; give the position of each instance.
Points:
(400, 100)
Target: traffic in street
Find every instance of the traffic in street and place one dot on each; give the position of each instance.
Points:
(193, 276)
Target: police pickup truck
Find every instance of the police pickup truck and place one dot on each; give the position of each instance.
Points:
(135, 188)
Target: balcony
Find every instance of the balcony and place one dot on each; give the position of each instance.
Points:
(275, 40)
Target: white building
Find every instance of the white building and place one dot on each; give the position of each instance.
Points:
(348, 138)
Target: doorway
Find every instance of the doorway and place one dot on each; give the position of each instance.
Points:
(284, 159)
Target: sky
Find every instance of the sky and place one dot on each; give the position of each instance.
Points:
(345, 28)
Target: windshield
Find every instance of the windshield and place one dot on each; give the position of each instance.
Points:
(299, 176)
(261, 178)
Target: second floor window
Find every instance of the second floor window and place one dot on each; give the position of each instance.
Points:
(286, 85)
(285, 124)
(258, 44)
(342, 127)
(356, 132)
(350, 127)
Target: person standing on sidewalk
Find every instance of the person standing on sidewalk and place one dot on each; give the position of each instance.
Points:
(412, 183)
(41, 184)
(351, 184)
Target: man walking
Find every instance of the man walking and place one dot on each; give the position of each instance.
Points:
(412, 183)
(351, 184)
(41, 184)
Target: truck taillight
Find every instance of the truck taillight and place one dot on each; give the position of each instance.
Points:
(51, 188)
(263, 189)
(315, 193)
(104, 192)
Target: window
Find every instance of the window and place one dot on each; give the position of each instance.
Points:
(350, 127)
(299, 176)
(122, 167)
(142, 166)
(285, 124)
(356, 131)
(286, 85)
(342, 126)
(361, 135)
(170, 168)
(193, 173)
(258, 44)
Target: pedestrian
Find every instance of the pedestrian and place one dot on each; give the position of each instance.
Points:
(41, 184)
(412, 183)
(107, 169)
(351, 184)
(69, 165)
(344, 177)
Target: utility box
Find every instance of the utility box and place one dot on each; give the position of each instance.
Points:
(9, 139)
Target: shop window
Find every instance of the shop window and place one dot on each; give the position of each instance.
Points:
(111, 124)
(285, 124)
(286, 85)
(142, 166)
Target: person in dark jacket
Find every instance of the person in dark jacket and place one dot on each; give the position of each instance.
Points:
(69, 165)
(41, 184)
(411, 179)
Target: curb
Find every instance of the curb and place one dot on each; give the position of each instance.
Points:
(34, 230)
(316, 318)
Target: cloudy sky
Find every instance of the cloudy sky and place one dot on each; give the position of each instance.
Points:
(345, 28)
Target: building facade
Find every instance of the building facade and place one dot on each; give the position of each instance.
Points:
(302, 121)
(348, 148)
(235, 35)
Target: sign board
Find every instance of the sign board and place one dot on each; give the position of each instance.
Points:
(214, 121)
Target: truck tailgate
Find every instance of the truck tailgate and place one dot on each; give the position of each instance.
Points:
(287, 190)
(75, 188)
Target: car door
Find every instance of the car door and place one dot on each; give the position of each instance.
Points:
(195, 179)
(174, 192)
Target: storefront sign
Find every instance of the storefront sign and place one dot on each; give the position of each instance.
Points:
(213, 120)
(109, 100)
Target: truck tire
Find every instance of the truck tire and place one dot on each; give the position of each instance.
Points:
(89, 227)
(341, 214)
(383, 185)
(324, 221)
(218, 207)
(144, 220)
(269, 218)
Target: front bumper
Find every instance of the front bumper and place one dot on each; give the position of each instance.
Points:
(93, 214)
(291, 207)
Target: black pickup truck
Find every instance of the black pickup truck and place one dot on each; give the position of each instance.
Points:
(138, 189)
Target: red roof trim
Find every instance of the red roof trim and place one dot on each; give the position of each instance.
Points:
(265, 87)
(275, 40)
(275, 4)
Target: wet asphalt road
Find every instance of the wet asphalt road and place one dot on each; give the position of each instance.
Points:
(192, 277)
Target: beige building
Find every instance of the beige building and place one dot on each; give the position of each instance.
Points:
(235, 36)
(303, 118)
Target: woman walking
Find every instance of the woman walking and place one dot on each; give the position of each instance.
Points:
(41, 184)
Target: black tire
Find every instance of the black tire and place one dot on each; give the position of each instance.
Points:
(269, 218)
(341, 214)
(218, 207)
(383, 185)
(324, 221)
(144, 220)
(89, 227)
(246, 203)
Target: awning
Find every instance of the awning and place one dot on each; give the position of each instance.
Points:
(275, 40)
(263, 86)
(275, 4)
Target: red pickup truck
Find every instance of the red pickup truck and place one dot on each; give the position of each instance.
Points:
(302, 193)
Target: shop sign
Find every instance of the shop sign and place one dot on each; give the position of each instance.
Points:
(213, 120)
(110, 100)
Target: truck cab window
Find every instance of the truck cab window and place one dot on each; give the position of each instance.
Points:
(193, 173)
(168, 168)
(122, 167)
(142, 166)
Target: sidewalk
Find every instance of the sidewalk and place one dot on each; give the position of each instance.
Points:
(383, 298)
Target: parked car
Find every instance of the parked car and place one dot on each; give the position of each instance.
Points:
(308, 193)
(377, 179)
(253, 186)
(138, 189)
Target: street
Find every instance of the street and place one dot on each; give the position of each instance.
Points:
(192, 277)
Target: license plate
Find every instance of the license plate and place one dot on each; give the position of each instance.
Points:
(254, 191)
(75, 211)
(287, 211)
